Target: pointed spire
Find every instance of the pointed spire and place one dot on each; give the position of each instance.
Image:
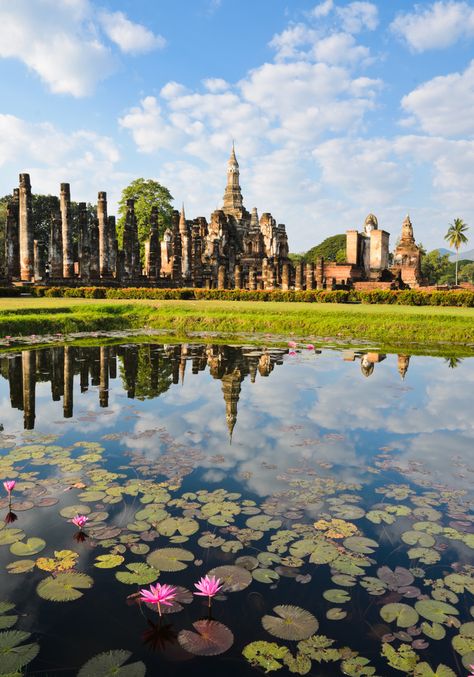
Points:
(233, 157)
(182, 220)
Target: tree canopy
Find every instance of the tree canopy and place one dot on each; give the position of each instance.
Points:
(331, 249)
(147, 194)
(456, 236)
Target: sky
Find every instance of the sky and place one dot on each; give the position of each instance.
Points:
(337, 108)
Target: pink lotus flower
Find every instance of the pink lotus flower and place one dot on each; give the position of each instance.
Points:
(291, 344)
(471, 667)
(79, 520)
(310, 346)
(208, 586)
(292, 353)
(159, 594)
(9, 485)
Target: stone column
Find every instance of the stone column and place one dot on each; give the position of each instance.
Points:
(28, 363)
(264, 273)
(66, 229)
(12, 239)
(176, 263)
(309, 276)
(84, 244)
(221, 277)
(112, 245)
(26, 235)
(319, 272)
(271, 276)
(39, 261)
(84, 369)
(285, 277)
(94, 266)
(104, 377)
(153, 263)
(68, 381)
(252, 279)
(238, 276)
(15, 380)
(128, 239)
(103, 234)
(197, 256)
(56, 246)
(299, 276)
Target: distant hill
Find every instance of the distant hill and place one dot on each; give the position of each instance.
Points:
(463, 256)
(443, 251)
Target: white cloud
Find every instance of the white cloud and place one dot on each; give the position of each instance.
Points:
(359, 16)
(289, 42)
(444, 105)
(340, 48)
(61, 42)
(132, 38)
(437, 26)
(323, 9)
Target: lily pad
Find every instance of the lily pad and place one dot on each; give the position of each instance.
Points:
(13, 654)
(27, 548)
(265, 575)
(170, 559)
(404, 614)
(435, 611)
(65, 587)
(138, 573)
(210, 639)
(290, 622)
(111, 664)
(108, 561)
(265, 655)
(234, 578)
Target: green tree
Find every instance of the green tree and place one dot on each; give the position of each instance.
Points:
(435, 267)
(147, 194)
(331, 249)
(466, 273)
(456, 237)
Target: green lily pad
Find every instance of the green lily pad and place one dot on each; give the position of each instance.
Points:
(336, 614)
(418, 538)
(435, 611)
(291, 622)
(108, 561)
(170, 559)
(404, 614)
(265, 575)
(111, 664)
(425, 670)
(265, 655)
(31, 546)
(337, 596)
(263, 523)
(464, 642)
(13, 654)
(138, 573)
(357, 667)
(65, 587)
(234, 578)
(360, 544)
(185, 526)
(20, 566)
(9, 536)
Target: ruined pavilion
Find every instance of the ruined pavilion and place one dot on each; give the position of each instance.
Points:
(235, 249)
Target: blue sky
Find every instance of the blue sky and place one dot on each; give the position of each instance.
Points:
(337, 108)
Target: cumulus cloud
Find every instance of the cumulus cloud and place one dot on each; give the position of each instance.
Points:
(359, 16)
(443, 105)
(437, 26)
(131, 38)
(62, 42)
(323, 9)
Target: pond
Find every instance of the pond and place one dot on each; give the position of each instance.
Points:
(330, 491)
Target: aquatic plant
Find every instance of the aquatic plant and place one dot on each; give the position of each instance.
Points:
(159, 594)
(208, 587)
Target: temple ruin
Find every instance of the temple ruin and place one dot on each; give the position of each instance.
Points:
(235, 249)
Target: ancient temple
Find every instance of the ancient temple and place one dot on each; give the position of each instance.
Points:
(235, 249)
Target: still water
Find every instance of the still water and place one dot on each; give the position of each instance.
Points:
(330, 491)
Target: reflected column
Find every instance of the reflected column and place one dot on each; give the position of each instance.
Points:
(104, 377)
(68, 382)
(15, 379)
(28, 363)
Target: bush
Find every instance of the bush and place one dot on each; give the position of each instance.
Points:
(10, 292)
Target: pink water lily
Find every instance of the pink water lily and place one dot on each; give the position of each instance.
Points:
(291, 344)
(208, 586)
(292, 353)
(310, 346)
(79, 520)
(159, 594)
(9, 486)
(471, 667)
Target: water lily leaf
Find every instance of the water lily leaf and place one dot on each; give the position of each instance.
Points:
(418, 538)
(65, 587)
(92, 496)
(337, 596)
(290, 622)
(72, 510)
(395, 579)
(336, 614)
(404, 614)
(63, 561)
(232, 546)
(7, 621)
(6, 606)
(344, 580)
(170, 559)
(263, 523)
(464, 642)
(357, 667)
(265, 575)
(210, 541)
(299, 664)
(435, 611)
(360, 544)
(379, 516)
(234, 578)
(210, 639)
(185, 526)
(138, 573)
(424, 670)
(460, 583)
(403, 658)
(111, 664)
(434, 631)
(268, 558)
(425, 555)
(265, 655)
(9, 536)
(247, 562)
(349, 512)
(21, 566)
(27, 548)
(346, 564)
(319, 648)
(13, 654)
(108, 561)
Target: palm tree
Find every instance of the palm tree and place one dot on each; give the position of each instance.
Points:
(456, 237)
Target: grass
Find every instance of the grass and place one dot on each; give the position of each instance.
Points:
(389, 326)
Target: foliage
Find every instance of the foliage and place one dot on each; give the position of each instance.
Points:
(456, 236)
(331, 249)
(436, 268)
(147, 194)
(466, 271)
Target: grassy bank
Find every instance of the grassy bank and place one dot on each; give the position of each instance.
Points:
(392, 326)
